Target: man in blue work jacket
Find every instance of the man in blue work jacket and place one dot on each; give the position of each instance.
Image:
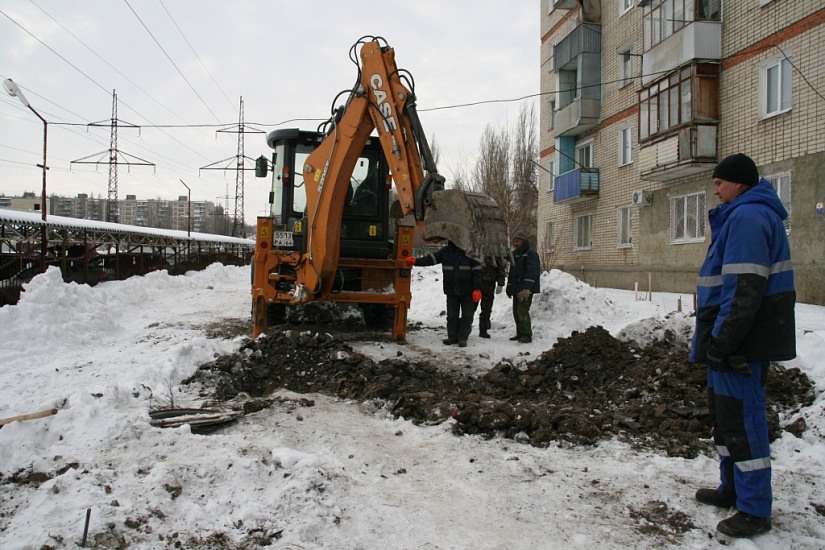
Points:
(744, 320)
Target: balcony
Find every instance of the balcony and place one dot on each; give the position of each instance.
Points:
(576, 186)
(698, 40)
(578, 117)
(566, 4)
(690, 151)
(586, 38)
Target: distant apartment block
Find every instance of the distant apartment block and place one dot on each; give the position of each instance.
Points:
(205, 216)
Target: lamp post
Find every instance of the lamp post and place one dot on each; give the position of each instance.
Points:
(15, 91)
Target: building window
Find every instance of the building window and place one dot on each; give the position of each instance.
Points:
(687, 95)
(626, 67)
(662, 18)
(775, 87)
(551, 175)
(582, 228)
(626, 5)
(584, 155)
(550, 237)
(551, 114)
(625, 145)
(624, 218)
(782, 184)
(687, 218)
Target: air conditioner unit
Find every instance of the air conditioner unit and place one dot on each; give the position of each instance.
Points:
(642, 198)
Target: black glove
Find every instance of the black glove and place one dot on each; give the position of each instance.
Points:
(732, 363)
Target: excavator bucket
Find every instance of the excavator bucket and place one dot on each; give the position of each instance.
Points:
(472, 221)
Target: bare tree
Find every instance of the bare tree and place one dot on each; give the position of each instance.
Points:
(506, 171)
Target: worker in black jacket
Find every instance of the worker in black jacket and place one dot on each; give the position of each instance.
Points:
(522, 283)
(462, 286)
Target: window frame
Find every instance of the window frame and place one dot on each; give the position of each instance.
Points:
(699, 214)
(625, 6)
(784, 84)
(550, 236)
(578, 236)
(624, 226)
(626, 68)
(551, 174)
(586, 145)
(781, 182)
(625, 139)
(685, 96)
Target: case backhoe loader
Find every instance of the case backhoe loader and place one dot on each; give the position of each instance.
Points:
(346, 202)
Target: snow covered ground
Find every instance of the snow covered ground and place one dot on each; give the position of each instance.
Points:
(338, 475)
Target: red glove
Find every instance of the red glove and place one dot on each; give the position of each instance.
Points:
(476, 295)
(410, 260)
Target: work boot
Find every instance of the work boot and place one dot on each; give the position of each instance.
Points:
(713, 497)
(449, 341)
(462, 343)
(483, 334)
(525, 340)
(515, 338)
(742, 525)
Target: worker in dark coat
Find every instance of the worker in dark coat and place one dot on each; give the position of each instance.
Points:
(462, 286)
(744, 320)
(522, 283)
(492, 283)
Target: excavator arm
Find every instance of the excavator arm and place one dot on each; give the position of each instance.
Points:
(379, 102)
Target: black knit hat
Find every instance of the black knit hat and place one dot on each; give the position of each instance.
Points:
(738, 168)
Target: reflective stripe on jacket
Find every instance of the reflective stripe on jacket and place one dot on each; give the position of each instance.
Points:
(745, 291)
(462, 274)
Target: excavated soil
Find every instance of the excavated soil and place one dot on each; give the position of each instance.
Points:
(589, 387)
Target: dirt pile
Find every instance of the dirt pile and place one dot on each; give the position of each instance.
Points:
(589, 387)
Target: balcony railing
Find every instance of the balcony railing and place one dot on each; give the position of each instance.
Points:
(689, 151)
(586, 38)
(698, 40)
(577, 185)
(578, 117)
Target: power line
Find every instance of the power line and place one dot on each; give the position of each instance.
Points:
(170, 59)
(70, 33)
(195, 53)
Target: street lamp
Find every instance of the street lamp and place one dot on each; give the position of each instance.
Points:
(15, 91)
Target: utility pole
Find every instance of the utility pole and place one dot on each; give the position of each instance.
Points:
(114, 159)
(238, 226)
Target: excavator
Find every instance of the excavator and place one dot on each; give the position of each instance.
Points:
(347, 201)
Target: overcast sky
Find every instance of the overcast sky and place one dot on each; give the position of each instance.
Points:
(189, 62)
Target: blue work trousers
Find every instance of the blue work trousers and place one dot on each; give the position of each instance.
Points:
(740, 432)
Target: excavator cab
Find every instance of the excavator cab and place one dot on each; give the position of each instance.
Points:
(365, 225)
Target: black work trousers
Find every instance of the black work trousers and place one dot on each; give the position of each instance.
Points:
(460, 312)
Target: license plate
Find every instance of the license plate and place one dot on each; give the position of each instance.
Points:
(282, 239)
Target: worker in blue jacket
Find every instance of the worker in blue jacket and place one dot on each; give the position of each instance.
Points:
(744, 320)
(462, 277)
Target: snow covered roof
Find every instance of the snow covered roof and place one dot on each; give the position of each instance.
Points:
(35, 218)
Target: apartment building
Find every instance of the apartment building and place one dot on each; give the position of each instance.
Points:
(641, 99)
(158, 213)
